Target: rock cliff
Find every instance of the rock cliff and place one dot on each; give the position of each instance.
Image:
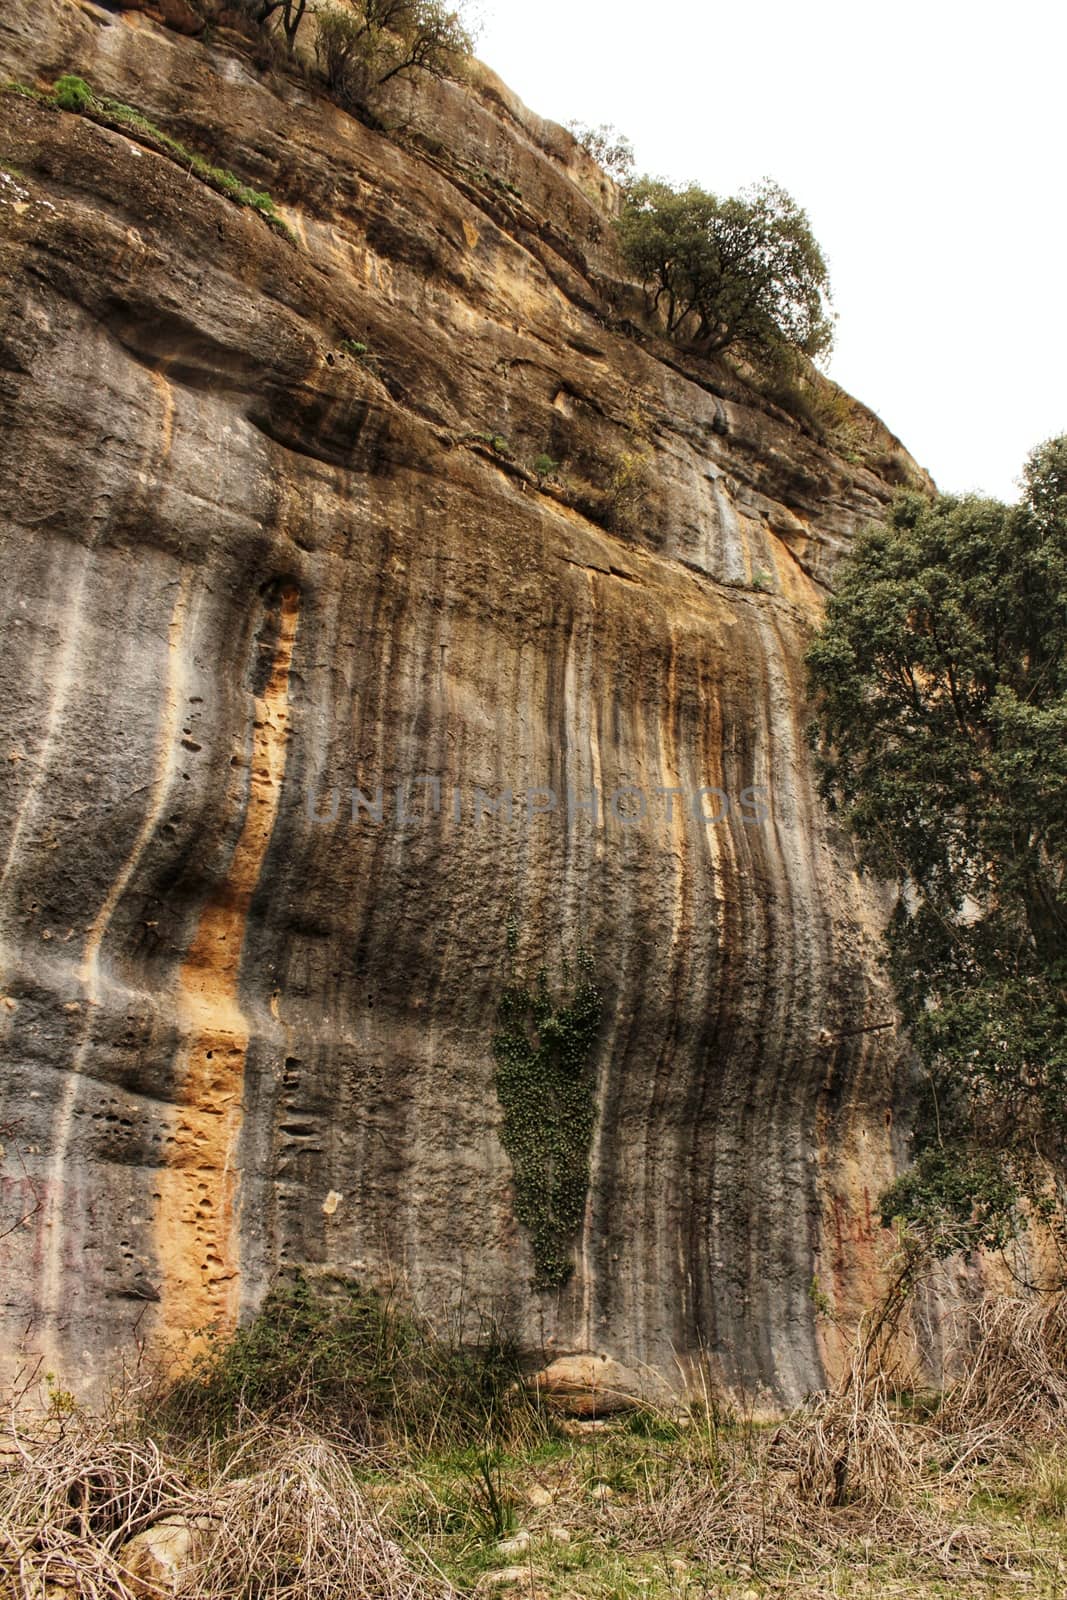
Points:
(274, 528)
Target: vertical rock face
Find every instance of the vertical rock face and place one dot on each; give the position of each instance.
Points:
(251, 566)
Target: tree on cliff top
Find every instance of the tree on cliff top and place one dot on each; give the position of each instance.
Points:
(362, 44)
(941, 683)
(609, 148)
(366, 43)
(744, 272)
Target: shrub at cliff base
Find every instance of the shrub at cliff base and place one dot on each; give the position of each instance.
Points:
(862, 1490)
(356, 1364)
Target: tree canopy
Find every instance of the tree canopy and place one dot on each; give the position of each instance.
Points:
(362, 44)
(365, 43)
(940, 679)
(611, 149)
(745, 271)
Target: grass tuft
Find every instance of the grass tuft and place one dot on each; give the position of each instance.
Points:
(74, 94)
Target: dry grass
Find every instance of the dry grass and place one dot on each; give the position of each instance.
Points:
(70, 1495)
(1011, 1354)
(852, 1447)
(775, 1513)
(856, 1493)
(278, 1515)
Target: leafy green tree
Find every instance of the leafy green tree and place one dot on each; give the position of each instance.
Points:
(746, 271)
(940, 678)
(608, 147)
(419, 36)
(362, 44)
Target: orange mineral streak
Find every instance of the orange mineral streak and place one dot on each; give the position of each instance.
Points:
(197, 1220)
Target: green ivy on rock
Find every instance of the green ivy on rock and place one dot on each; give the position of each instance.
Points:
(547, 1088)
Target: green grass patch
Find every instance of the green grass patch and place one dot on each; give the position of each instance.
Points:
(25, 91)
(74, 94)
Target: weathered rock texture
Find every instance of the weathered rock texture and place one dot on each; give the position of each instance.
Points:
(242, 565)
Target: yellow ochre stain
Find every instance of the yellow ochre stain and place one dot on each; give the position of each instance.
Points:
(196, 1225)
(158, 375)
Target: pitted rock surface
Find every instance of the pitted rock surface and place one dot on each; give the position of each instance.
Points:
(249, 568)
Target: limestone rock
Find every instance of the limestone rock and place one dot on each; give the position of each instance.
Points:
(503, 1578)
(249, 570)
(588, 1386)
(159, 1558)
(176, 14)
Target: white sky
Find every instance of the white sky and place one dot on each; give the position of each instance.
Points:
(925, 138)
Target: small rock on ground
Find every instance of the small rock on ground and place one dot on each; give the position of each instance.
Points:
(504, 1578)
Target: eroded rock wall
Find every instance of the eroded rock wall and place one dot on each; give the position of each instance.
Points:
(245, 564)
